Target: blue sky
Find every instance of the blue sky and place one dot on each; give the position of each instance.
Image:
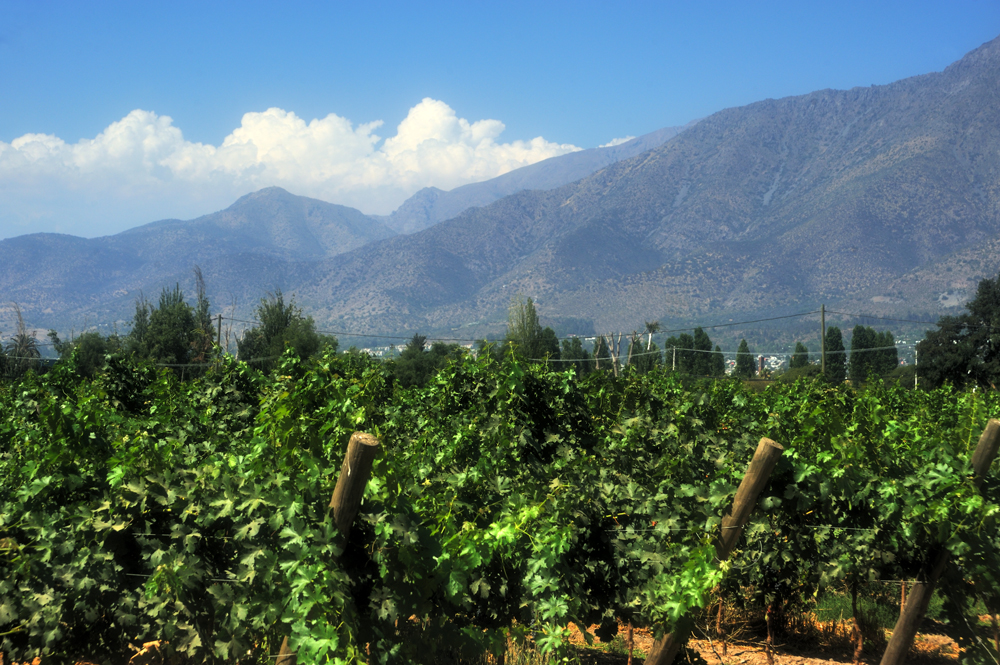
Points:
(564, 74)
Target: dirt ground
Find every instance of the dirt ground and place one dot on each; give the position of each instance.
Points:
(928, 650)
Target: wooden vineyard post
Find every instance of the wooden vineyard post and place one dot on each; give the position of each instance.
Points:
(753, 483)
(719, 630)
(352, 480)
(919, 597)
(630, 642)
(346, 500)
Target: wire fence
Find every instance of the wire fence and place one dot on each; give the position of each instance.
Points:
(631, 337)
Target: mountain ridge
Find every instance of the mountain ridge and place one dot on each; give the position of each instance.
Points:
(826, 196)
(431, 205)
(871, 197)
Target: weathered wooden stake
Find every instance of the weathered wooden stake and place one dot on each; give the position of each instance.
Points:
(720, 631)
(753, 483)
(923, 588)
(996, 631)
(353, 478)
(346, 500)
(859, 642)
(769, 644)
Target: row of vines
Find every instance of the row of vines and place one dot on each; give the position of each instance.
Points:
(506, 502)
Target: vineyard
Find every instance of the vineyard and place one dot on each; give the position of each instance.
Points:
(506, 502)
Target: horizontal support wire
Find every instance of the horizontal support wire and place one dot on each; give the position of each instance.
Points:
(378, 335)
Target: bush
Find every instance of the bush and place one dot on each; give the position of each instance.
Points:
(796, 373)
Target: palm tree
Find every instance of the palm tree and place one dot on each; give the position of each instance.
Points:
(22, 349)
(651, 328)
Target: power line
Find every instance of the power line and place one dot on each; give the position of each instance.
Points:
(741, 323)
(659, 332)
(372, 335)
(903, 345)
(964, 324)
(882, 318)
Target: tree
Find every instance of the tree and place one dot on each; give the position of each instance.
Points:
(836, 355)
(602, 355)
(887, 357)
(526, 335)
(202, 340)
(548, 344)
(744, 361)
(137, 341)
(872, 353)
(701, 361)
(164, 333)
(416, 364)
(91, 350)
(573, 351)
(965, 349)
(645, 359)
(683, 343)
(801, 356)
(718, 362)
(171, 328)
(862, 361)
(21, 352)
(282, 326)
(651, 329)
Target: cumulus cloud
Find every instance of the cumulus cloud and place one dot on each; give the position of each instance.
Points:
(143, 162)
(614, 142)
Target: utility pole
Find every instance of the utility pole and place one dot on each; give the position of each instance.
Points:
(219, 338)
(915, 363)
(822, 339)
(674, 366)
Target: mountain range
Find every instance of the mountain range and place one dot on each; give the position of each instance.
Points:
(265, 241)
(884, 199)
(431, 205)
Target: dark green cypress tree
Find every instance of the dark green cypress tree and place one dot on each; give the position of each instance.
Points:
(863, 361)
(888, 355)
(801, 356)
(836, 355)
(203, 337)
(744, 361)
(701, 358)
(572, 350)
(718, 363)
(548, 344)
(137, 341)
(685, 357)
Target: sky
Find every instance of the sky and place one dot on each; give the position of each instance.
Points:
(116, 114)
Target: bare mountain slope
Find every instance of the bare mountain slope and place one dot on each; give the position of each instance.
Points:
(432, 205)
(253, 246)
(780, 204)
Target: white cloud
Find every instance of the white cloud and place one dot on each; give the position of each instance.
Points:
(614, 142)
(142, 164)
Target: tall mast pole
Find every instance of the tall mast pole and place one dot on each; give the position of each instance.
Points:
(822, 339)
